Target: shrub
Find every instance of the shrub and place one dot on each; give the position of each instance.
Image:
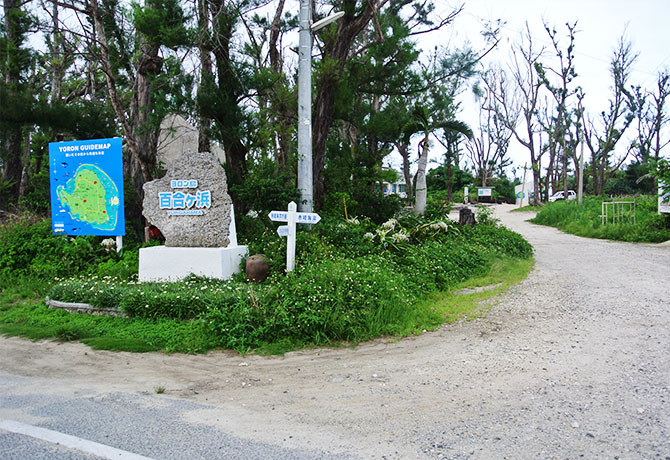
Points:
(437, 205)
(27, 247)
(353, 281)
(125, 267)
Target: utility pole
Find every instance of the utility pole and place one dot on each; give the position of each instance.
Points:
(305, 184)
(523, 186)
(305, 178)
(580, 187)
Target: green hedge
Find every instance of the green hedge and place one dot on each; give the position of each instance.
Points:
(351, 283)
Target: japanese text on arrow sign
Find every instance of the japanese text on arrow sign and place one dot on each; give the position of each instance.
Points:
(292, 217)
(301, 217)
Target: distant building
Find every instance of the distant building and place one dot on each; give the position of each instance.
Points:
(396, 188)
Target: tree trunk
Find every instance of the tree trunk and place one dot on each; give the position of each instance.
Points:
(228, 116)
(421, 191)
(404, 153)
(536, 182)
(206, 74)
(11, 170)
(337, 50)
(25, 172)
(450, 182)
(56, 50)
(141, 161)
(594, 172)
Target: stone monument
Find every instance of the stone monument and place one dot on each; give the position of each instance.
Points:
(192, 208)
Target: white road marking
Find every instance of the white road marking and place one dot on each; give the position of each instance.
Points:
(72, 442)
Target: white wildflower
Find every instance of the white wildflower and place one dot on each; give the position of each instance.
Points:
(391, 223)
(440, 226)
(108, 243)
(400, 236)
(369, 235)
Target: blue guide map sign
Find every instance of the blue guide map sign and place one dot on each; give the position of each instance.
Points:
(87, 187)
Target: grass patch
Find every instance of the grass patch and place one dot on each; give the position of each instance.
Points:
(35, 321)
(31, 319)
(584, 220)
(354, 281)
(453, 306)
(528, 209)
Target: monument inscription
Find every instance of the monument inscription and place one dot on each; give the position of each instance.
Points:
(190, 204)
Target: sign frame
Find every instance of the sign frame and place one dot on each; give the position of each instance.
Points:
(73, 163)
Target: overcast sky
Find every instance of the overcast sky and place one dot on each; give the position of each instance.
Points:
(600, 24)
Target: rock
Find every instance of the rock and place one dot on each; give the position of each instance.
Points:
(466, 217)
(190, 204)
(257, 268)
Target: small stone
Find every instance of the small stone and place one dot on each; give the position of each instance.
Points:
(338, 380)
(575, 425)
(243, 364)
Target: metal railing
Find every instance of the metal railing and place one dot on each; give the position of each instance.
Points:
(617, 212)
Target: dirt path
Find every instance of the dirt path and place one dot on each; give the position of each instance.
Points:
(573, 362)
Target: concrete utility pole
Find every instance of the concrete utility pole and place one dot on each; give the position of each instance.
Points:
(305, 179)
(305, 185)
(580, 188)
(523, 186)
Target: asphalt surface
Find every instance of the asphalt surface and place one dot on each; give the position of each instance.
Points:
(148, 425)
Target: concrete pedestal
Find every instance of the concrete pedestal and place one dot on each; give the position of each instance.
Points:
(161, 263)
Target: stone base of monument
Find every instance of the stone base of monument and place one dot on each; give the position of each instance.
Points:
(162, 263)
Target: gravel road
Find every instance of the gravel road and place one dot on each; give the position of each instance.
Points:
(574, 362)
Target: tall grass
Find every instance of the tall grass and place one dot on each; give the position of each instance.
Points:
(584, 220)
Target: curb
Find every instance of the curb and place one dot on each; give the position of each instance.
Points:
(72, 307)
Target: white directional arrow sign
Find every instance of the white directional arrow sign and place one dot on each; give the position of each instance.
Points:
(292, 217)
(300, 217)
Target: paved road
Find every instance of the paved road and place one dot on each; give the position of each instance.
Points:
(86, 425)
(572, 363)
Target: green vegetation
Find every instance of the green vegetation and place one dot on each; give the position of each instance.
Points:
(528, 209)
(354, 281)
(585, 220)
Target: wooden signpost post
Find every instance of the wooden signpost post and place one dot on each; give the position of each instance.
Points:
(292, 217)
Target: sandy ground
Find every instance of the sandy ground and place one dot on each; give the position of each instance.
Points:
(572, 363)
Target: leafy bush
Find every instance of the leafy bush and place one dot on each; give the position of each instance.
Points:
(353, 281)
(266, 187)
(504, 190)
(484, 216)
(37, 197)
(437, 205)
(28, 248)
(585, 220)
(124, 267)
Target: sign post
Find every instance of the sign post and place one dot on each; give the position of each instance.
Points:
(663, 198)
(291, 217)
